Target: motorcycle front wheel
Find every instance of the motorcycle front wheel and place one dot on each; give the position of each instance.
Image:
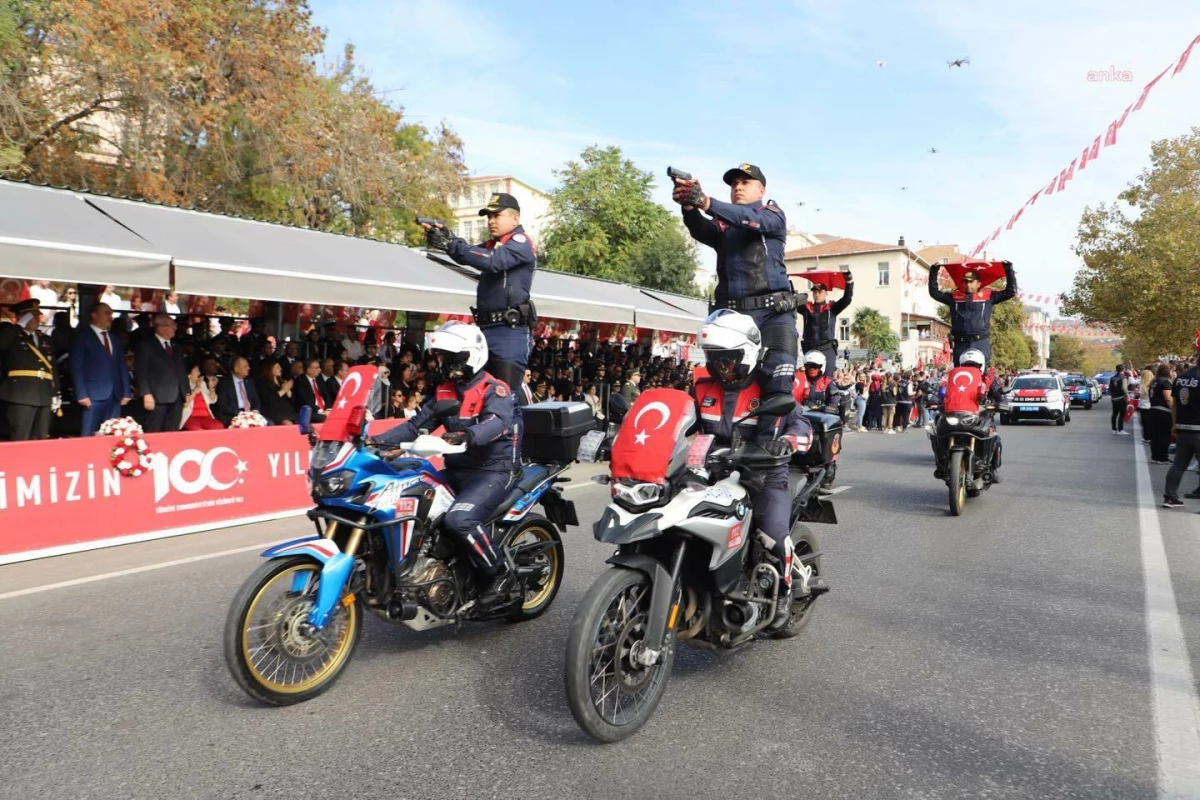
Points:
(958, 482)
(269, 652)
(610, 694)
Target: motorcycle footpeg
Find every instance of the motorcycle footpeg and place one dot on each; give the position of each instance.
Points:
(817, 587)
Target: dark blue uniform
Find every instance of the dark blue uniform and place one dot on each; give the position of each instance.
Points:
(480, 477)
(820, 327)
(971, 316)
(752, 279)
(506, 266)
(1186, 391)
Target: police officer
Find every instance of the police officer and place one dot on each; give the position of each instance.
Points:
(1186, 412)
(971, 310)
(749, 236)
(820, 321)
(28, 386)
(503, 308)
(732, 349)
(481, 476)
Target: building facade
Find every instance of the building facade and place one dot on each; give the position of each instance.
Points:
(891, 279)
(535, 206)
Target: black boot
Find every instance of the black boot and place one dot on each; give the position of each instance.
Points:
(499, 590)
(783, 610)
(995, 476)
(1193, 495)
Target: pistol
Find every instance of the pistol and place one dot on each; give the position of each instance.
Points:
(678, 174)
(436, 223)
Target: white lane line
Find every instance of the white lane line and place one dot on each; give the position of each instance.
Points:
(1176, 709)
(838, 490)
(135, 570)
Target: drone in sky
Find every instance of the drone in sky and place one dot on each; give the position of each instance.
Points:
(934, 150)
(881, 63)
(958, 62)
(904, 188)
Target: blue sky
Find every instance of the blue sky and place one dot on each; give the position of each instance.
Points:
(794, 88)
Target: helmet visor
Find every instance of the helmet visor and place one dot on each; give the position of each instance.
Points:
(453, 365)
(725, 365)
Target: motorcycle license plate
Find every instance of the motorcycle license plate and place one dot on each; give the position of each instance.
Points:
(588, 446)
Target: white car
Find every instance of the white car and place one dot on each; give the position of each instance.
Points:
(1036, 396)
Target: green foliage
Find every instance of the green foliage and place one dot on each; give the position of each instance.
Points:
(873, 332)
(605, 225)
(1010, 350)
(1141, 275)
(1066, 353)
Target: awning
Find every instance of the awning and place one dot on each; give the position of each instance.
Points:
(558, 294)
(55, 234)
(670, 312)
(231, 257)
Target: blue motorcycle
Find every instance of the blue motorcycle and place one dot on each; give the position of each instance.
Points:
(296, 621)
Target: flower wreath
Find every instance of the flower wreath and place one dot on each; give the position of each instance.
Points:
(248, 419)
(131, 455)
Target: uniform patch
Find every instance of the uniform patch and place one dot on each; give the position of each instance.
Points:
(754, 404)
(501, 390)
(520, 237)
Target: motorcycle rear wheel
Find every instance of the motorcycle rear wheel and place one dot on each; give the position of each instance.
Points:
(281, 665)
(804, 544)
(539, 596)
(958, 482)
(610, 695)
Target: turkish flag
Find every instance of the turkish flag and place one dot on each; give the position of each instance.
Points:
(650, 434)
(989, 272)
(354, 393)
(1198, 339)
(832, 279)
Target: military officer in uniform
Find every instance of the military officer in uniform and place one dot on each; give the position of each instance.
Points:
(28, 387)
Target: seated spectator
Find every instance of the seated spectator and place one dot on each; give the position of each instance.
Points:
(197, 408)
(412, 404)
(276, 394)
(236, 392)
(296, 370)
(395, 406)
(308, 392)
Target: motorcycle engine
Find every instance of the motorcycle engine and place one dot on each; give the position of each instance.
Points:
(739, 617)
(439, 597)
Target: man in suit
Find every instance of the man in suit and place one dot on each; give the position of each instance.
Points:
(327, 382)
(97, 365)
(307, 391)
(28, 386)
(236, 392)
(161, 377)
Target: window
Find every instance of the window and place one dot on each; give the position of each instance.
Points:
(497, 187)
(844, 330)
(843, 267)
(885, 272)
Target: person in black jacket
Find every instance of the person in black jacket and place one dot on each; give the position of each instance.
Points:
(971, 310)
(28, 385)
(820, 322)
(307, 391)
(236, 392)
(161, 377)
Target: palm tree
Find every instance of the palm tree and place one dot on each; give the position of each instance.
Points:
(873, 332)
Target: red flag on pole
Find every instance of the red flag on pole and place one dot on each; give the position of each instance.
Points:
(1198, 339)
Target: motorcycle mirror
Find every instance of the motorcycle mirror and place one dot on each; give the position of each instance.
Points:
(304, 423)
(446, 408)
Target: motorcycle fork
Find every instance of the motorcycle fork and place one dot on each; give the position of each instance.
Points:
(664, 607)
(352, 541)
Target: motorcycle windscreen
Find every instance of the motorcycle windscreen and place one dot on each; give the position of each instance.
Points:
(355, 392)
(651, 440)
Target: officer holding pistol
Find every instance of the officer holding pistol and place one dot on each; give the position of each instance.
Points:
(503, 308)
(749, 235)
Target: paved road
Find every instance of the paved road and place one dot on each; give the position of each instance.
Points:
(1002, 654)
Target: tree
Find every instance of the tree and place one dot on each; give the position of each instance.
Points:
(1010, 350)
(606, 225)
(1032, 345)
(873, 332)
(1140, 274)
(1066, 353)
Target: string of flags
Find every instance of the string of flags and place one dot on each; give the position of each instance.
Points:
(1090, 152)
(1076, 330)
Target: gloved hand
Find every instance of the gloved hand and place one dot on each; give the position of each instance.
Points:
(1007, 265)
(689, 193)
(438, 238)
(458, 437)
(778, 447)
(849, 277)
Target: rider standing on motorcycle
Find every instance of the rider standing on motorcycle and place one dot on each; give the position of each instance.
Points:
(733, 349)
(966, 388)
(749, 235)
(480, 477)
(971, 310)
(815, 389)
(820, 321)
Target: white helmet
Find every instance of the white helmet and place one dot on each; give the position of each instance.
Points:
(459, 344)
(814, 357)
(973, 357)
(732, 345)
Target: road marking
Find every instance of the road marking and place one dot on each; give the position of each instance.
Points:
(135, 570)
(1176, 709)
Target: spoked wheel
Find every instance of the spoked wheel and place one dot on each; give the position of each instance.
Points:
(271, 651)
(610, 693)
(958, 482)
(804, 543)
(537, 544)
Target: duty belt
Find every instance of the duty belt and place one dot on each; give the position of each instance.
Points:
(775, 301)
(511, 316)
(821, 345)
(31, 373)
(969, 337)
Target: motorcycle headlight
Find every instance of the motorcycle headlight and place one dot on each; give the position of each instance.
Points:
(637, 495)
(951, 420)
(334, 485)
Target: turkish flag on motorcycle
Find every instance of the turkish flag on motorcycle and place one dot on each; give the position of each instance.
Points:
(353, 394)
(650, 435)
